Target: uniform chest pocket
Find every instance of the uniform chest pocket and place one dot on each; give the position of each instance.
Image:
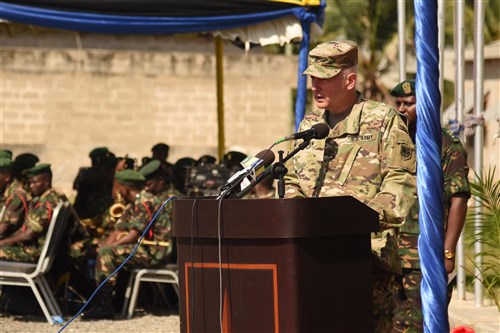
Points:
(346, 157)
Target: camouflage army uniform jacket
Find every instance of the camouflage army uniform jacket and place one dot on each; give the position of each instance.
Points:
(455, 171)
(13, 206)
(38, 219)
(369, 155)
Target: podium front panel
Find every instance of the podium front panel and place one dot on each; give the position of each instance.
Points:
(273, 284)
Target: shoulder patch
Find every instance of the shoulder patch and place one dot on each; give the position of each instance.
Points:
(450, 135)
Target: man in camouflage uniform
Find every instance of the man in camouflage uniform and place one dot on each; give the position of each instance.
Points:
(94, 185)
(14, 202)
(26, 243)
(408, 315)
(368, 154)
(122, 240)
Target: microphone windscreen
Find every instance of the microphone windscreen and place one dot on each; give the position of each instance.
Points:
(267, 156)
(321, 131)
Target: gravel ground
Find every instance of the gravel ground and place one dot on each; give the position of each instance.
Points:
(146, 323)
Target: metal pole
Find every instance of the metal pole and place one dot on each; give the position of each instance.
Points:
(459, 111)
(219, 59)
(402, 39)
(441, 30)
(478, 137)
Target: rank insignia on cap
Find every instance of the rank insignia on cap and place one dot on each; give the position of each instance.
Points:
(407, 87)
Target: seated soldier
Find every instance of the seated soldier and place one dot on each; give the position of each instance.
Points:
(122, 241)
(26, 243)
(158, 190)
(14, 202)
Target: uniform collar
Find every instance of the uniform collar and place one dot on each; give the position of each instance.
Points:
(350, 125)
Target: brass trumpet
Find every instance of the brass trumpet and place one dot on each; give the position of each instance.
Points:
(118, 208)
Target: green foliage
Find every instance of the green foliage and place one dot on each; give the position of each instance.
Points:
(483, 227)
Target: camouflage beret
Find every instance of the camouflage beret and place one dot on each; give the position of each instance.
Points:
(160, 147)
(5, 163)
(150, 169)
(327, 59)
(42, 168)
(5, 154)
(129, 177)
(404, 89)
(25, 161)
(99, 152)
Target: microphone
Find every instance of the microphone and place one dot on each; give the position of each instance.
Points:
(254, 167)
(318, 131)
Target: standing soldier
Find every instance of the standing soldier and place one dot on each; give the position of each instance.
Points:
(14, 202)
(26, 243)
(408, 316)
(368, 154)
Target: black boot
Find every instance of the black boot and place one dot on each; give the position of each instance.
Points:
(103, 307)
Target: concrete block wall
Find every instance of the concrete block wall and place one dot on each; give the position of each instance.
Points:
(59, 103)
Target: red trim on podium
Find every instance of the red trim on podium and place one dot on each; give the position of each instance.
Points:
(271, 267)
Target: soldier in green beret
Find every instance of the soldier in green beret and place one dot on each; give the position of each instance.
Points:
(119, 245)
(408, 316)
(368, 155)
(14, 202)
(26, 243)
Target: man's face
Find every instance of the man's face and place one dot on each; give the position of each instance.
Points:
(408, 106)
(38, 184)
(4, 179)
(334, 94)
(154, 186)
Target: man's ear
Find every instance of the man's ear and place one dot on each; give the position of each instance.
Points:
(351, 80)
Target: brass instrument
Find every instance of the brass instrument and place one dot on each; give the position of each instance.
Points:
(117, 209)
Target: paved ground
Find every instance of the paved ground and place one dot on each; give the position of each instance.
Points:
(461, 313)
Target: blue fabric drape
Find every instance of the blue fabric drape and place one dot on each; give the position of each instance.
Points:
(126, 24)
(429, 170)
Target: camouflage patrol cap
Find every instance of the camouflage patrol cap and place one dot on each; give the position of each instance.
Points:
(151, 169)
(5, 163)
(404, 89)
(42, 168)
(327, 59)
(129, 177)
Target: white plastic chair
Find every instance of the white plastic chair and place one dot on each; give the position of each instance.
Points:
(33, 274)
(168, 274)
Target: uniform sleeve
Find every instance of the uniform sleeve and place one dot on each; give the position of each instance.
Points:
(292, 181)
(15, 208)
(456, 171)
(398, 167)
(38, 218)
(143, 212)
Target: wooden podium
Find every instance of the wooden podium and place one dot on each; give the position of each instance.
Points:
(279, 265)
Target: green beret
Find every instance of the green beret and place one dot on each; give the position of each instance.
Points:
(129, 177)
(26, 161)
(5, 163)
(99, 152)
(5, 154)
(404, 89)
(42, 168)
(149, 170)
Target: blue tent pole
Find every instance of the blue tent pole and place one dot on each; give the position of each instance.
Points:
(300, 102)
(429, 170)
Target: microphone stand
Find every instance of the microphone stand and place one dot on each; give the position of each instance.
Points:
(277, 171)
